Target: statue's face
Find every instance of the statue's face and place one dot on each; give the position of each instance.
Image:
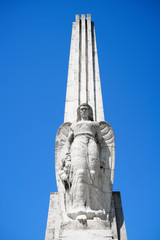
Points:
(84, 112)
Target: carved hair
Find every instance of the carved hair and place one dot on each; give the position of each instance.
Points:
(90, 112)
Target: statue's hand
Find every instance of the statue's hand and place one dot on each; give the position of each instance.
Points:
(67, 157)
(64, 177)
(65, 167)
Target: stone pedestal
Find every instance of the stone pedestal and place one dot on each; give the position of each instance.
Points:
(96, 229)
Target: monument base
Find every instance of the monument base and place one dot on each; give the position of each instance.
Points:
(93, 229)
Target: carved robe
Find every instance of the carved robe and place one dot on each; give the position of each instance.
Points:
(85, 170)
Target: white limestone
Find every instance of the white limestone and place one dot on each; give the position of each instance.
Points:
(85, 206)
(58, 229)
(83, 84)
(85, 155)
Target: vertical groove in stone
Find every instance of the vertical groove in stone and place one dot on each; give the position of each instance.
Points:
(76, 92)
(94, 74)
(83, 89)
(91, 95)
(86, 30)
(79, 84)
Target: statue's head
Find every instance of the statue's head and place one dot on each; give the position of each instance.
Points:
(84, 111)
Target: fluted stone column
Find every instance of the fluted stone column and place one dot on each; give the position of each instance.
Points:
(83, 85)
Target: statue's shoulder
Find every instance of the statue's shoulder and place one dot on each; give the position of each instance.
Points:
(73, 125)
(96, 124)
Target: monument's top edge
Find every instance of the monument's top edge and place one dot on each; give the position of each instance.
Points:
(83, 17)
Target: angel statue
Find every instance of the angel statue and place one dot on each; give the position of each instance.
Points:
(85, 152)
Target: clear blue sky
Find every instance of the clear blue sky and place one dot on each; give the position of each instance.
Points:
(34, 53)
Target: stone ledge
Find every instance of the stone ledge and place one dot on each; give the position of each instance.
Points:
(91, 224)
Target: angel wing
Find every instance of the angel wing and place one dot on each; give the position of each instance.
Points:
(108, 150)
(61, 139)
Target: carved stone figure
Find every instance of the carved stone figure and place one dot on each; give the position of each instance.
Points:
(85, 166)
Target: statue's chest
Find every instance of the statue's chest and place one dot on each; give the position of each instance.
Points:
(84, 127)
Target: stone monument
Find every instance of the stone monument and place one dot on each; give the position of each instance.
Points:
(85, 205)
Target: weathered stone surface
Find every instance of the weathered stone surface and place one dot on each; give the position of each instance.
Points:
(91, 224)
(86, 235)
(53, 214)
(85, 155)
(83, 84)
(85, 206)
(94, 229)
(121, 229)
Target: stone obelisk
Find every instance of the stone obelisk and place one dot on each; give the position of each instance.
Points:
(83, 75)
(101, 217)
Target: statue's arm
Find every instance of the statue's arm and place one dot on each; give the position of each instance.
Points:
(69, 142)
(98, 134)
(100, 140)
